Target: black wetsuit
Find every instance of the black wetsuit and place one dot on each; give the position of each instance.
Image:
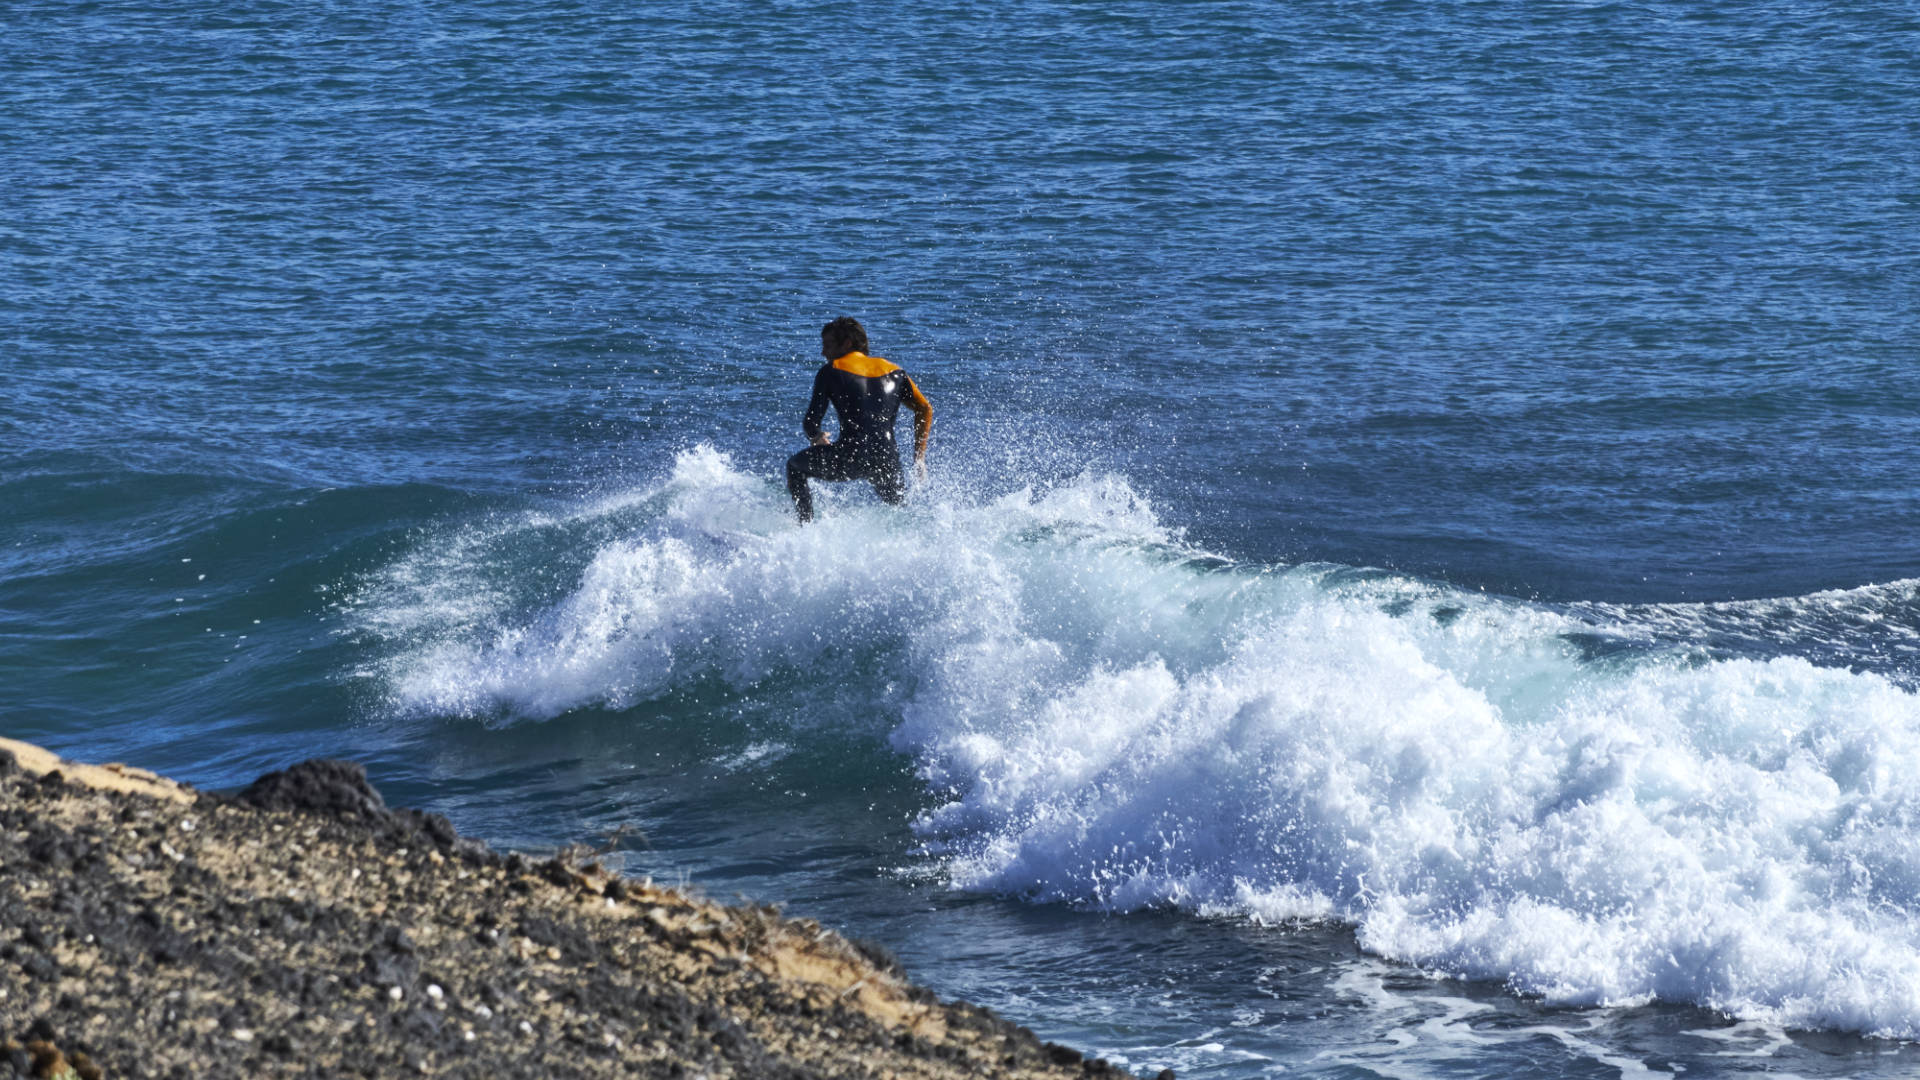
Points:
(866, 393)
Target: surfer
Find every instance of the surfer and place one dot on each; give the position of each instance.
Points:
(866, 393)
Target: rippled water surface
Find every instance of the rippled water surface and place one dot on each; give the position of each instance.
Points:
(1417, 575)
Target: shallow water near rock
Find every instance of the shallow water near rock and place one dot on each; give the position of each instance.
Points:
(1416, 577)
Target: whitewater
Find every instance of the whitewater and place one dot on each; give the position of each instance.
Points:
(1591, 804)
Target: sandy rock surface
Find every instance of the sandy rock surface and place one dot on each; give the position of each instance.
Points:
(304, 929)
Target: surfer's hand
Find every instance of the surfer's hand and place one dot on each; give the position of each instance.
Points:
(822, 439)
(919, 470)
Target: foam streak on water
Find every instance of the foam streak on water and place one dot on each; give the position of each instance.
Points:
(1107, 717)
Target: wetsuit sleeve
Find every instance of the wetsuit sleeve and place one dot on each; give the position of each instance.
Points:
(816, 407)
(922, 416)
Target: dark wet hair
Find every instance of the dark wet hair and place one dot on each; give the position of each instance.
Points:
(844, 335)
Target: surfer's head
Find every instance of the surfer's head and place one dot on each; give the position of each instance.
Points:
(842, 336)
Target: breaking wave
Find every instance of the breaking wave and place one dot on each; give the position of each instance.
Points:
(1593, 804)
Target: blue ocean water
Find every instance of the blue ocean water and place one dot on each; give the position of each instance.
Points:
(1416, 577)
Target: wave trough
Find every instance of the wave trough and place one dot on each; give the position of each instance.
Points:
(1108, 717)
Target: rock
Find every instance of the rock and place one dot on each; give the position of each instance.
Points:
(47, 1059)
(339, 789)
(320, 786)
(331, 929)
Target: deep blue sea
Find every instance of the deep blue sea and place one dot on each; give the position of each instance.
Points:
(1417, 576)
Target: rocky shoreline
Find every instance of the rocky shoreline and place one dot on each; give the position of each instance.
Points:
(302, 928)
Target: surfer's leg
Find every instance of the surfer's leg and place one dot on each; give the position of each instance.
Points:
(883, 472)
(819, 462)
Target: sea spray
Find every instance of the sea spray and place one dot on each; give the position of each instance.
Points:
(1108, 717)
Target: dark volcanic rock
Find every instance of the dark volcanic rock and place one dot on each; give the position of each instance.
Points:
(321, 786)
(340, 789)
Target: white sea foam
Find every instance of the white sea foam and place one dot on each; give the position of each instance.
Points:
(1120, 721)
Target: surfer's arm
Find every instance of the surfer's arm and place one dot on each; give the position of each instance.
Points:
(922, 419)
(817, 411)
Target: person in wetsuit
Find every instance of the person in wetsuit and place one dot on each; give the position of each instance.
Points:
(866, 393)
